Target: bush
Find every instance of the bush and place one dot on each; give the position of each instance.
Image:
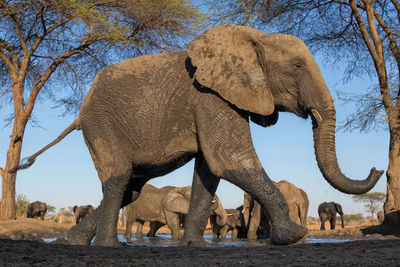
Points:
(21, 206)
(352, 218)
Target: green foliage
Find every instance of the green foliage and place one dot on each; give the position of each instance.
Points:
(66, 212)
(21, 205)
(120, 20)
(348, 218)
(372, 201)
(51, 209)
(60, 36)
(50, 45)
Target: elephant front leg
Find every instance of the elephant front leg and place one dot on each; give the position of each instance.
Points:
(255, 220)
(128, 230)
(255, 181)
(333, 223)
(172, 219)
(203, 190)
(139, 230)
(224, 230)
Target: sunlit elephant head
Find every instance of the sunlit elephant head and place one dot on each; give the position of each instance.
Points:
(266, 73)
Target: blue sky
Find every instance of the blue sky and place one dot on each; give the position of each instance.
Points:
(65, 175)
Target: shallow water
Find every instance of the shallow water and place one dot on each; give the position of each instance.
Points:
(165, 240)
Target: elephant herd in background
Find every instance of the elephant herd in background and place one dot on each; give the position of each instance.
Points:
(38, 209)
(165, 206)
(251, 221)
(169, 205)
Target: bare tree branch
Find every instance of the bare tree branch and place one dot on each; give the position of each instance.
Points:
(6, 91)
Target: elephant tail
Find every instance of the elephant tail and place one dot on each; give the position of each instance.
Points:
(301, 215)
(27, 162)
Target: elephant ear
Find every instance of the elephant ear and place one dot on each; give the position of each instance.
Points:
(229, 60)
(339, 208)
(176, 202)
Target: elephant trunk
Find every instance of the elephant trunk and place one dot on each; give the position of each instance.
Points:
(341, 218)
(221, 215)
(325, 152)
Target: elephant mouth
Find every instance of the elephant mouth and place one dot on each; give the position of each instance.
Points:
(300, 111)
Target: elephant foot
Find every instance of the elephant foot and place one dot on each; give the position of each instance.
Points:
(194, 243)
(286, 234)
(76, 236)
(107, 242)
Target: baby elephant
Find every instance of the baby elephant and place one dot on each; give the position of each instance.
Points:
(36, 209)
(327, 212)
(81, 212)
(234, 223)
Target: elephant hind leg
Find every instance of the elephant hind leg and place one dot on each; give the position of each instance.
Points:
(113, 192)
(173, 223)
(114, 170)
(154, 226)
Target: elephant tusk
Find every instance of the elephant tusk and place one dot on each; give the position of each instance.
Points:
(213, 201)
(316, 114)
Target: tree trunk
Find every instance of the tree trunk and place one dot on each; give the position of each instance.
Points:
(392, 204)
(7, 206)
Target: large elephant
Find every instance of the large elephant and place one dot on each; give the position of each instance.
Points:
(36, 209)
(327, 212)
(147, 116)
(257, 221)
(81, 212)
(165, 206)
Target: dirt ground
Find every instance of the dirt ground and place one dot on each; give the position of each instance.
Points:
(367, 249)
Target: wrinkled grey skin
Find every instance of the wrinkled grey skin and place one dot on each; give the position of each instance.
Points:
(147, 116)
(36, 209)
(165, 206)
(258, 225)
(327, 212)
(81, 212)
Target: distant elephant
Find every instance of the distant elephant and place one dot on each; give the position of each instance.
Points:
(257, 220)
(381, 216)
(36, 209)
(147, 116)
(234, 223)
(165, 206)
(81, 212)
(327, 212)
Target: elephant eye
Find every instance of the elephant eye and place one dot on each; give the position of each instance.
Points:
(298, 66)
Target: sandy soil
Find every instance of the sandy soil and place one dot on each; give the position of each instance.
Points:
(368, 248)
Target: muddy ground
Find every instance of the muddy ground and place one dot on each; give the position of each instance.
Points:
(367, 249)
